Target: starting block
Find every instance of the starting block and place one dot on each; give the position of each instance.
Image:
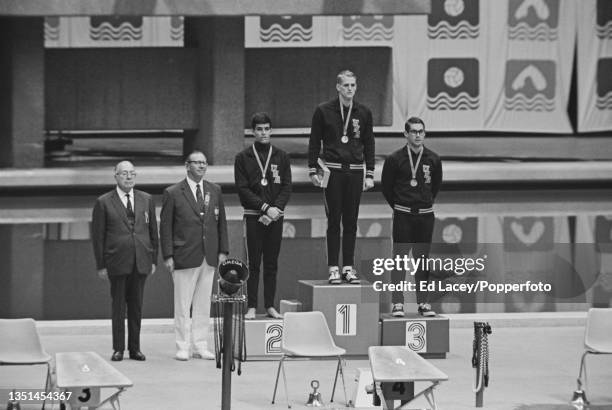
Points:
(360, 397)
(263, 337)
(83, 375)
(395, 369)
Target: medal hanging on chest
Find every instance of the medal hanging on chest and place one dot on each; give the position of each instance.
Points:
(345, 123)
(263, 169)
(414, 166)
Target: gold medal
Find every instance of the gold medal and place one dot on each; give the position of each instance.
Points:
(345, 123)
(263, 169)
(414, 167)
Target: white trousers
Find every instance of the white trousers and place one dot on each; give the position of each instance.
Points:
(192, 288)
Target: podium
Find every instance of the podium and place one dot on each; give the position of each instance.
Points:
(351, 311)
(428, 336)
(263, 338)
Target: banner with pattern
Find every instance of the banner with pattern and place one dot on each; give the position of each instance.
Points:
(468, 65)
(595, 65)
(536, 249)
(318, 31)
(113, 31)
(438, 62)
(593, 256)
(455, 237)
(530, 66)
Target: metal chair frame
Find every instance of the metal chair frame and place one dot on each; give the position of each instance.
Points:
(589, 349)
(286, 356)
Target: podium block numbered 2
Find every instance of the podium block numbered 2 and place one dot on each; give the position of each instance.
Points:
(351, 312)
(263, 338)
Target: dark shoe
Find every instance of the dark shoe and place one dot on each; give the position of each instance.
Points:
(425, 310)
(350, 275)
(138, 356)
(117, 356)
(397, 310)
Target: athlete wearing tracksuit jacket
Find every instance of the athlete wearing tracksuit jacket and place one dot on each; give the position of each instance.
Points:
(344, 128)
(411, 195)
(264, 204)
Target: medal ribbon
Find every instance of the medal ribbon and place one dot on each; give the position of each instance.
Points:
(348, 116)
(261, 167)
(414, 167)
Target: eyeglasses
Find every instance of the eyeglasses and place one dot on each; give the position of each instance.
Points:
(126, 174)
(203, 163)
(416, 132)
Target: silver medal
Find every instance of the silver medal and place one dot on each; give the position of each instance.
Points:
(264, 182)
(413, 182)
(344, 139)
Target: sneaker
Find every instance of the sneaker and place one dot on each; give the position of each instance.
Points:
(397, 310)
(350, 275)
(273, 313)
(425, 310)
(334, 275)
(182, 355)
(250, 314)
(203, 354)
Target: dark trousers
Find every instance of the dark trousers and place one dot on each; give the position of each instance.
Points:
(127, 291)
(342, 197)
(262, 240)
(412, 232)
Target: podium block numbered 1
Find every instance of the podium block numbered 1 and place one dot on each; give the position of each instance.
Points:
(263, 338)
(351, 312)
(428, 336)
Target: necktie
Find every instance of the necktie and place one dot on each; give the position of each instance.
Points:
(130, 210)
(199, 198)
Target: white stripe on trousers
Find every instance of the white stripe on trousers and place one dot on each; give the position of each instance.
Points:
(192, 287)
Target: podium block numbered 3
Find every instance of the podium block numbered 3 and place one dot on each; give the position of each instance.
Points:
(428, 336)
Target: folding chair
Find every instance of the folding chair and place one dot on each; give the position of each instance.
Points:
(20, 345)
(597, 340)
(306, 335)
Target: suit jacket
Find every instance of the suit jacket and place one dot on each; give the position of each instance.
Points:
(187, 236)
(117, 246)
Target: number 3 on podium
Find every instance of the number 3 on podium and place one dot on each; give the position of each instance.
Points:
(416, 336)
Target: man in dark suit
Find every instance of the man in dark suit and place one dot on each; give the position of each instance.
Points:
(194, 241)
(125, 242)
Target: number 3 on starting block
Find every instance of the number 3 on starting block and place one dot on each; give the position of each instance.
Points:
(84, 397)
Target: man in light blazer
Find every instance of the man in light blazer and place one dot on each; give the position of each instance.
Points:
(194, 241)
(125, 242)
